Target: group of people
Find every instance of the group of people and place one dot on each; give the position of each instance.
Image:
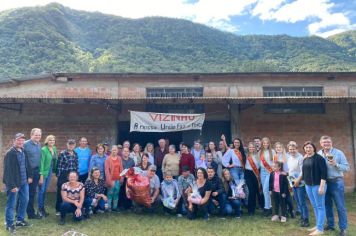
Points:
(202, 180)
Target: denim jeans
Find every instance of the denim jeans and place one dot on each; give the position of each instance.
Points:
(67, 207)
(318, 203)
(335, 192)
(233, 204)
(42, 190)
(300, 198)
(22, 196)
(265, 187)
(221, 198)
(237, 173)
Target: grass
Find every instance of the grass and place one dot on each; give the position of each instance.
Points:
(158, 224)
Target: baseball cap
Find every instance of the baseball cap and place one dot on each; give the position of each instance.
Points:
(71, 141)
(19, 135)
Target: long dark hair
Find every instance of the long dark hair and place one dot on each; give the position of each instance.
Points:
(241, 149)
(205, 174)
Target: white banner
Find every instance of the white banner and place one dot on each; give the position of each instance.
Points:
(165, 122)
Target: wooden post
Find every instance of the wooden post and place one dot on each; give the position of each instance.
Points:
(235, 121)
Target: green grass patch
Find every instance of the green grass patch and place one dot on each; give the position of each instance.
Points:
(159, 224)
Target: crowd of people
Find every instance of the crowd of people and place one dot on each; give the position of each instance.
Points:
(202, 180)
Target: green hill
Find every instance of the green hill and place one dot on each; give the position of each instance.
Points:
(58, 39)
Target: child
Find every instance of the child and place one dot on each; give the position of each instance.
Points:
(278, 187)
(185, 181)
(201, 163)
(170, 193)
(210, 162)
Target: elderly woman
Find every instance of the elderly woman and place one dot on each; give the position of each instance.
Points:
(73, 193)
(171, 162)
(314, 174)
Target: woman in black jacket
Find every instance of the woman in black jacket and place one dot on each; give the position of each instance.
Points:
(314, 174)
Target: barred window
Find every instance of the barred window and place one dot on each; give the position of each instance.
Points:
(292, 91)
(175, 108)
(174, 92)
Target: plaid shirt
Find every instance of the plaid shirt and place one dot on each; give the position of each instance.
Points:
(67, 162)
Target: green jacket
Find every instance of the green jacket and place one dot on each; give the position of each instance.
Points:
(46, 158)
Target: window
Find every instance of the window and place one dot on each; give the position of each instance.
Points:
(175, 108)
(292, 91)
(174, 92)
(301, 108)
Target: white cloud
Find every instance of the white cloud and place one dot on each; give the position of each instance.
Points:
(215, 13)
(318, 12)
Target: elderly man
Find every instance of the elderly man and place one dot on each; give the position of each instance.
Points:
(337, 164)
(32, 149)
(17, 176)
(160, 152)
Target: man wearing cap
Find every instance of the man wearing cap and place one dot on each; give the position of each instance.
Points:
(154, 186)
(67, 162)
(17, 176)
(32, 150)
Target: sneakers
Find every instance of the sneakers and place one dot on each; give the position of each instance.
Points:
(42, 213)
(329, 228)
(312, 229)
(342, 232)
(179, 215)
(304, 223)
(22, 224)
(267, 212)
(11, 229)
(316, 232)
(61, 221)
(58, 213)
(275, 218)
(283, 219)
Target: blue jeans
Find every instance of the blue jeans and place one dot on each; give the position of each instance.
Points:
(233, 204)
(67, 207)
(237, 173)
(42, 190)
(265, 187)
(300, 198)
(318, 203)
(221, 198)
(22, 195)
(335, 192)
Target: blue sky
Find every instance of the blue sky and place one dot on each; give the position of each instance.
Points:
(292, 17)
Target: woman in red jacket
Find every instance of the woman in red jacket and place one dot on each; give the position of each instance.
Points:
(186, 159)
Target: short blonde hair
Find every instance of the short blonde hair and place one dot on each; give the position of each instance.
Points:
(34, 130)
(48, 138)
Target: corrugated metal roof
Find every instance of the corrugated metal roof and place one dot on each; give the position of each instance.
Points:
(163, 75)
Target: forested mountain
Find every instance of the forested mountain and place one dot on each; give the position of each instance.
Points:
(54, 38)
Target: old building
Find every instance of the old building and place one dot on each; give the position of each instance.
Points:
(282, 106)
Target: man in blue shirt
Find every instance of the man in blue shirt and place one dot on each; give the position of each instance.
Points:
(337, 164)
(32, 150)
(84, 154)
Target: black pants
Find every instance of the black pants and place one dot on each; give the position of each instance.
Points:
(60, 181)
(159, 174)
(32, 192)
(253, 190)
(124, 202)
(289, 203)
(279, 202)
(203, 209)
